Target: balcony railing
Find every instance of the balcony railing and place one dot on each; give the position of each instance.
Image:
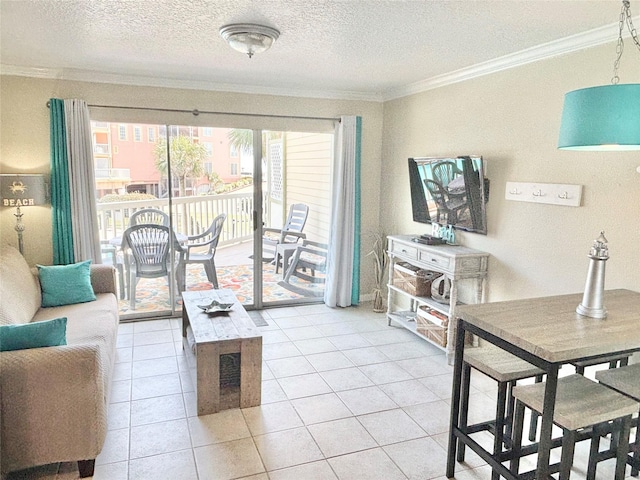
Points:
(101, 148)
(190, 216)
(102, 173)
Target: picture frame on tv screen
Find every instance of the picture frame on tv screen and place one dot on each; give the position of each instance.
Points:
(450, 191)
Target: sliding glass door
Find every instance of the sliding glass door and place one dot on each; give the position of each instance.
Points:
(296, 185)
(197, 179)
(134, 187)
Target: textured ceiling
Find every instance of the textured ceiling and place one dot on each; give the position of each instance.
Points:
(358, 46)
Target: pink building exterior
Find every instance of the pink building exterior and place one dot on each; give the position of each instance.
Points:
(124, 159)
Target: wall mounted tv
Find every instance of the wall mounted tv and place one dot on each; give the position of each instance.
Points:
(450, 191)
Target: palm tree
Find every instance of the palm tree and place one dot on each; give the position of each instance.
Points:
(186, 159)
(241, 139)
(186, 162)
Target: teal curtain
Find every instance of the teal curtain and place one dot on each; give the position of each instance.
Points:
(355, 287)
(60, 198)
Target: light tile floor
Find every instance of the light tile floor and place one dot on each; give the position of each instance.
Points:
(344, 397)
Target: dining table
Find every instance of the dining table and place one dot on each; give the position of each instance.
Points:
(548, 333)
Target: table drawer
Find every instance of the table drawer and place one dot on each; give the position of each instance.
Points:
(435, 260)
(405, 250)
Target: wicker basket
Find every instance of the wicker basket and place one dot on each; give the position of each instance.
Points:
(432, 324)
(413, 280)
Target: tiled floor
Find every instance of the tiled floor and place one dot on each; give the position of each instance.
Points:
(344, 397)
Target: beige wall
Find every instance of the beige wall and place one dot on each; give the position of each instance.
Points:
(512, 118)
(24, 137)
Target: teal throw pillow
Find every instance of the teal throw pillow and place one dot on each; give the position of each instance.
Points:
(66, 284)
(49, 333)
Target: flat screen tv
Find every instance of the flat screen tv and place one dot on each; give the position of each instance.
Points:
(450, 191)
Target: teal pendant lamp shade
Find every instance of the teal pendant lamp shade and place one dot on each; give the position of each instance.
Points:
(605, 118)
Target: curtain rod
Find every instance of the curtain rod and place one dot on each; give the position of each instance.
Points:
(196, 112)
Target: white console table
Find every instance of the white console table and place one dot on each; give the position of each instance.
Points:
(457, 263)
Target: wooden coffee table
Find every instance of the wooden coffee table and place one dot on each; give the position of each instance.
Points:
(224, 351)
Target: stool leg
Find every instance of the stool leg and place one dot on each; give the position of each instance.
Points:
(636, 453)
(593, 452)
(623, 448)
(464, 406)
(533, 425)
(508, 425)
(499, 432)
(568, 447)
(516, 441)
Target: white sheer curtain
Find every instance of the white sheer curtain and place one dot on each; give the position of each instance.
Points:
(343, 259)
(86, 241)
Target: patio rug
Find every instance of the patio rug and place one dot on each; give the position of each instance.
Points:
(152, 294)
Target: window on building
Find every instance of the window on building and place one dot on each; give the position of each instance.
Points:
(208, 167)
(151, 133)
(208, 147)
(137, 134)
(162, 131)
(122, 132)
(207, 132)
(233, 151)
(234, 169)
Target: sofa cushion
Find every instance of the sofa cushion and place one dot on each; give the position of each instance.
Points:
(49, 333)
(94, 323)
(66, 284)
(19, 290)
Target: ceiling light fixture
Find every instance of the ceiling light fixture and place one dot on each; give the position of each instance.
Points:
(249, 38)
(604, 118)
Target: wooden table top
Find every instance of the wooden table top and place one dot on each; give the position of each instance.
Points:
(233, 325)
(550, 328)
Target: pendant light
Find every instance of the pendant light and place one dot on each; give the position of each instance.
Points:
(604, 118)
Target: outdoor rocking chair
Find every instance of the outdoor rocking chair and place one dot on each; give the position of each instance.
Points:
(309, 264)
(291, 232)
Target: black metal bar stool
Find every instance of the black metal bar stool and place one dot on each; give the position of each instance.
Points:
(580, 403)
(504, 368)
(626, 380)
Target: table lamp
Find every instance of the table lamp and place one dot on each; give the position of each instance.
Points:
(22, 190)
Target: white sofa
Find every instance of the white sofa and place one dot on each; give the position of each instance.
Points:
(54, 399)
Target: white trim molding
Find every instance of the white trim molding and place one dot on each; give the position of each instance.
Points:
(563, 46)
(80, 75)
(581, 41)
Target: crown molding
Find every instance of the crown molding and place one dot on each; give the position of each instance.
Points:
(135, 80)
(566, 45)
(563, 46)
(33, 72)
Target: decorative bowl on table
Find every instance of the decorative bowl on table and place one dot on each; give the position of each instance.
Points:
(216, 307)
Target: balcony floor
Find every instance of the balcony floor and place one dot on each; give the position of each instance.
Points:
(234, 268)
